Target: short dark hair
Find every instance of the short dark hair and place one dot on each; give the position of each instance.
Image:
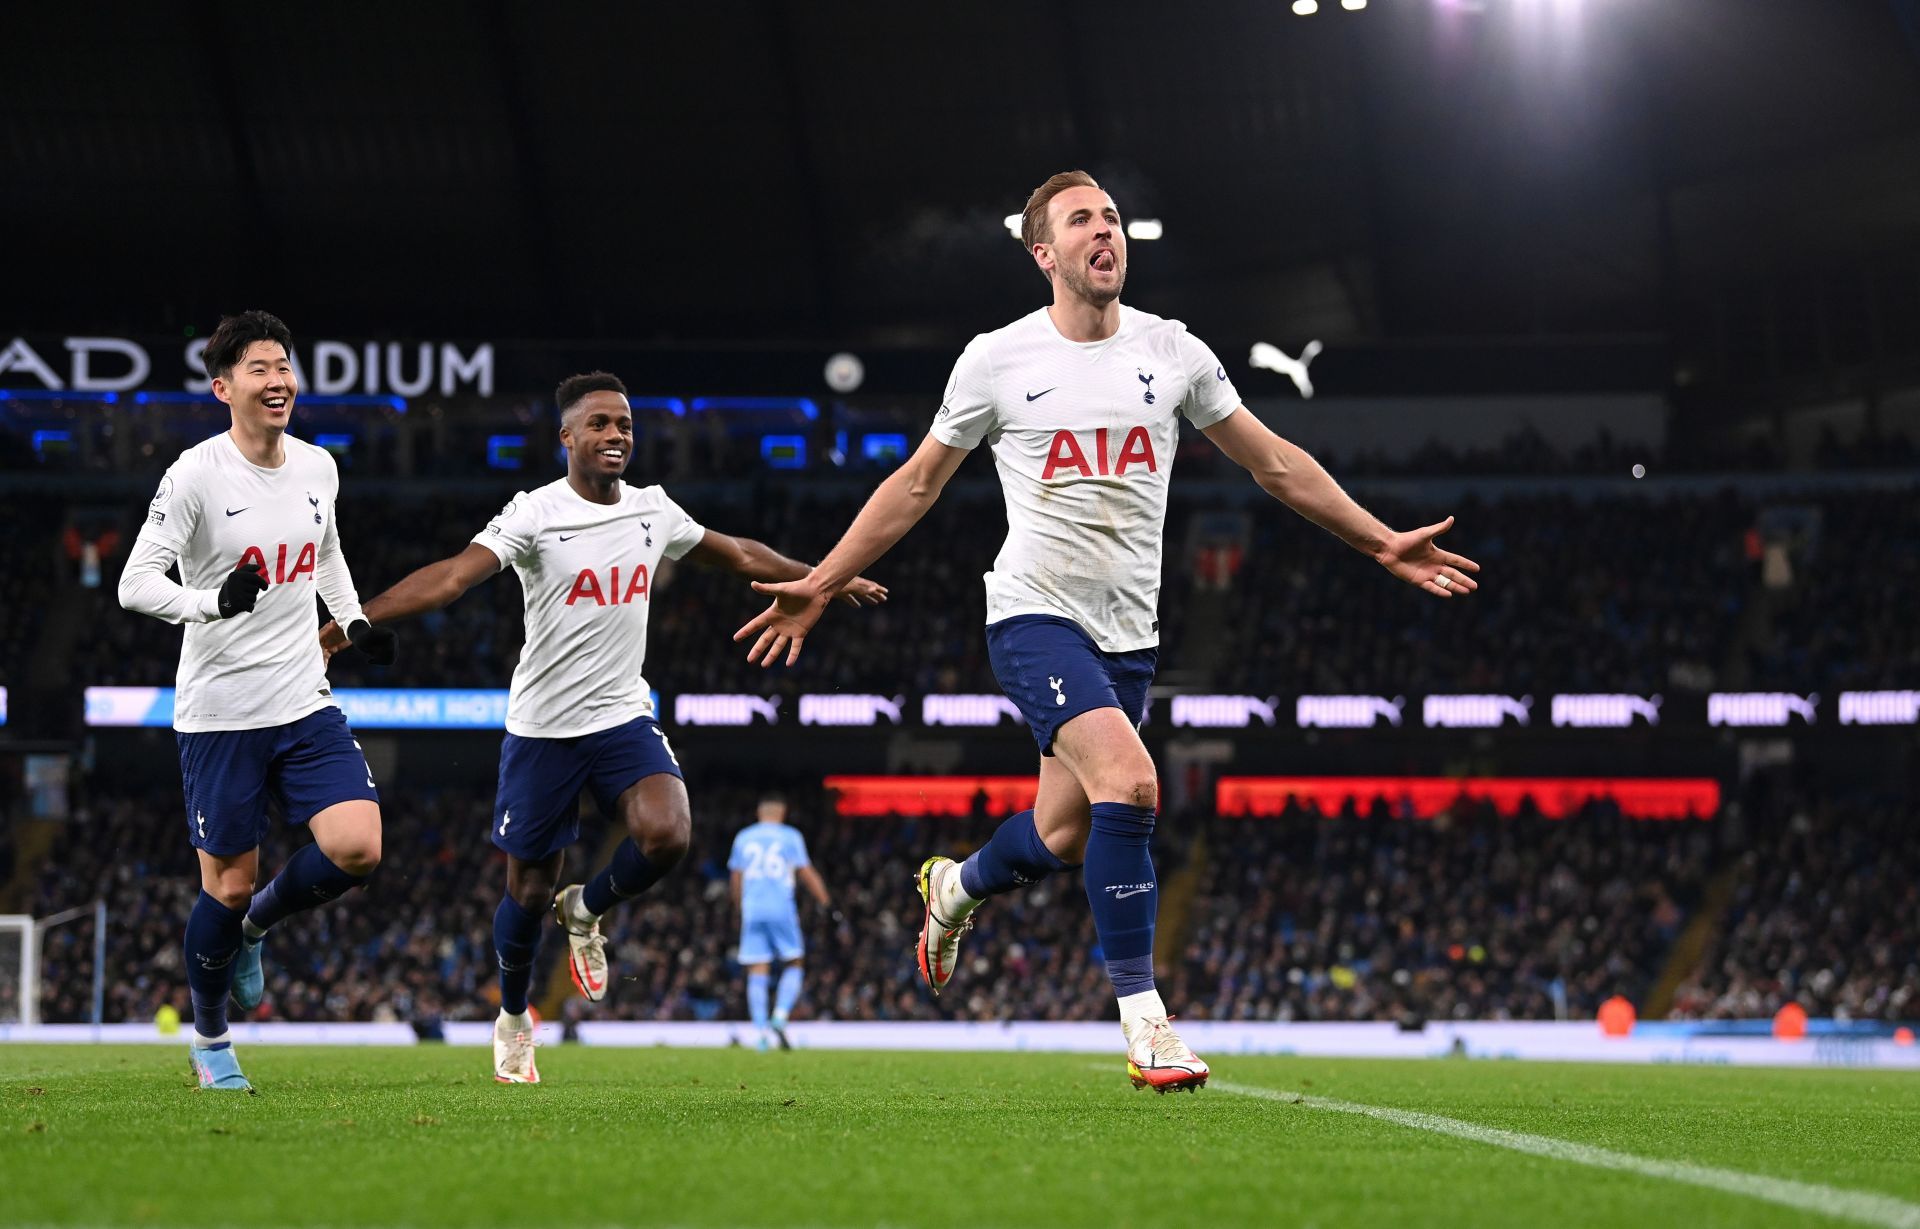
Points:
(235, 333)
(772, 795)
(1035, 226)
(573, 388)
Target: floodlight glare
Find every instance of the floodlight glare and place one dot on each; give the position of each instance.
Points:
(1144, 228)
(1305, 8)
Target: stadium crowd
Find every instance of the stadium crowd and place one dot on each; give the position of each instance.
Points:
(1599, 592)
(1299, 917)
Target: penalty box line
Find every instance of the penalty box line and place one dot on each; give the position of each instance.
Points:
(1861, 1206)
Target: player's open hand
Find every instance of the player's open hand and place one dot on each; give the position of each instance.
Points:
(1414, 557)
(862, 592)
(782, 627)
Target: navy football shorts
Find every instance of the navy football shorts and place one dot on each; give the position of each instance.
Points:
(536, 811)
(305, 766)
(1053, 671)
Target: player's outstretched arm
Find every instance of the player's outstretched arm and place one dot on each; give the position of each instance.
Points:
(1286, 472)
(890, 511)
(758, 561)
(429, 588)
(816, 886)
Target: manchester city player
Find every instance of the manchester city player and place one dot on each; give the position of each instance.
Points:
(249, 517)
(1081, 403)
(767, 857)
(587, 548)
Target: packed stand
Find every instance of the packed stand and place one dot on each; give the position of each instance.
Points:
(1826, 915)
(1467, 916)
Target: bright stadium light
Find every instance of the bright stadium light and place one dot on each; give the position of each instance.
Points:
(1305, 8)
(1012, 223)
(1144, 228)
(1353, 6)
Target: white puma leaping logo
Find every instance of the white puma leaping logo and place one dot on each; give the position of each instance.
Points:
(1059, 696)
(1273, 358)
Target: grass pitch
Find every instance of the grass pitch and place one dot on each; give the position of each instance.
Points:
(424, 1137)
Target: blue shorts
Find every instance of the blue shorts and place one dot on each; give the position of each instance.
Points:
(230, 775)
(764, 936)
(1053, 671)
(536, 810)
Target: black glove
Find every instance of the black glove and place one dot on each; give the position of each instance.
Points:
(378, 645)
(241, 589)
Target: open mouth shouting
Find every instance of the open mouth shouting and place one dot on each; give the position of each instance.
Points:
(1104, 260)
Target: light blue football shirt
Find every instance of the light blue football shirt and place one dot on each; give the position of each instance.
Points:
(766, 855)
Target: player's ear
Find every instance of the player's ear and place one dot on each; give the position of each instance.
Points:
(222, 390)
(1043, 256)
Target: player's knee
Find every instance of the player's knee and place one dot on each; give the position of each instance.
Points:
(664, 838)
(358, 857)
(534, 893)
(1135, 788)
(235, 894)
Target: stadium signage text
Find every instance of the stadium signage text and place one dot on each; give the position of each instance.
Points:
(1880, 708)
(1604, 711)
(1223, 712)
(119, 364)
(1348, 712)
(1474, 712)
(851, 709)
(1773, 709)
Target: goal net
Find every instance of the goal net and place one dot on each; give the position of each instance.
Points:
(19, 979)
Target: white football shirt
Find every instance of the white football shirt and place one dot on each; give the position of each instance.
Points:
(587, 572)
(1083, 434)
(214, 510)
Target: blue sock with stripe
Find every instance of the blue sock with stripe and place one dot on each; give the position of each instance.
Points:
(516, 936)
(1013, 857)
(212, 941)
(757, 998)
(787, 993)
(1122, 891)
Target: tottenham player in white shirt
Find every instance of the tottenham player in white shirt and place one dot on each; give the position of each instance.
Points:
(249, 517)
(1080, 403)
(587, 548)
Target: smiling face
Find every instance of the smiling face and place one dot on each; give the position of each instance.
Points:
(260, 387)
(1084, 250)
(597, 432)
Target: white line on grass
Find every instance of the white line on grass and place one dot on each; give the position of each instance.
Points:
(1862, 1206)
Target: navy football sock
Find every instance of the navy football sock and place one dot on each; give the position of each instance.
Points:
(625, 877)
(516, 935)
(308, 879)
(1122, 891)
(213, 940)
(1012, 857)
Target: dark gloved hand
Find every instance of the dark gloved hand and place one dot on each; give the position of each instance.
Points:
(378, 645)
(241, 589)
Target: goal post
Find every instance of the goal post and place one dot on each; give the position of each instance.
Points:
(21, 939)
(19, 970)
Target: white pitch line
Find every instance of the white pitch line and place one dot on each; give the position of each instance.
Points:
(1861, 1206)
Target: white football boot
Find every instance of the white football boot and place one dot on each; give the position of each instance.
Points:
(513, 1052)
(939, 946)
(1158, 1059)
(586, 946)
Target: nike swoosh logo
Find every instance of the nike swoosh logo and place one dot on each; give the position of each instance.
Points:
(1043, 392)
(1130, 892)
(568, 537)
(237, 511)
